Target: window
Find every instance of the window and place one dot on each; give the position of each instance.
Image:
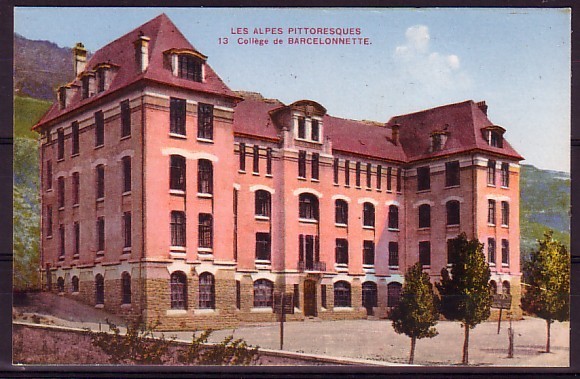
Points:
(341, 212)
(505, 213)
(491, 173)
(357, 173)
(452, 251)
(189, 68)
(204, 176)
(335, 171)
(302, 164)
(101, 79)
(126, 288)
(100, 234)
(495, 139)
(205, 121)
(49, 175)
(263, 246)
(379, 176)
(323, 301)
(77, 246)
(505, 287)
(452, 177)
(369, 296)
(301, 127)
(347, 172)
(452, 208)
(296, 295)
(269, 161)
(127, 229)
(505, 252)
(242, 156)
(315, 165)
(76, 183)
(308, 206)
(491, 212)
(369, 175)
(99, 129)
(492, 287)
(263, 293)
(238, 294)
(100, 181)
(368, 215)
(341, 251)
(393, 217)
(505, 174)
(393, 254)
(75, 283)
(491, 250)
(49, 220)
(60, 143)
(309, 253)
(399, 179)
(437, 142)
(75, 138)
(368, 252)
(178, 286)
(177, 173)
(206, 291)
(315, 130)
(393, 294)
(178, 228)
(62, 241)
(425, 253)
(177, 116)
(389, 179)
(125, 119)
(423, 178)
(424, 216)
(205, 231)
(61, 192)
(85, 87)
(263, 201)
(256, 159)
(342, 294)
(99, 289)
(126, 174)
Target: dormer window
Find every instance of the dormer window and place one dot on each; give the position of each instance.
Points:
(314, 130)
(495, 139)
(190, 68)
(438, 140)
(308, 129)
(85, 86)
(493, 134)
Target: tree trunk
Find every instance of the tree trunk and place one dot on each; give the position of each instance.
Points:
(548, 323)
(465, 359)
(412, 355)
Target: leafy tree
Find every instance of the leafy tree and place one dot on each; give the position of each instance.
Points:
(465, 292)
(227, 352)
(26, 241)
(547, 279)
(416, 314)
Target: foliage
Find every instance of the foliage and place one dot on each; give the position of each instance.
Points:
(416, 314)
(465, 293)
(26, 242)
(139, 345)
(27, 112)
(547, 279)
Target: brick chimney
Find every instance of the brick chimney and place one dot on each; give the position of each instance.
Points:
(79, 58)
(395, 133)
(483, 106)
(142, 51)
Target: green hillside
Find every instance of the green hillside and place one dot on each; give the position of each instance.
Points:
(27, 112)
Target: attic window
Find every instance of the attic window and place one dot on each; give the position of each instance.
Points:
(438, 140)
(495, 139)
(85, 87)
(190, 68)
(101, 79)
(308, 129)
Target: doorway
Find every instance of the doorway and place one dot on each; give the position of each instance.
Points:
(369, 296)
(310, 298)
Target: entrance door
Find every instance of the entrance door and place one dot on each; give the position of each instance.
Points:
(369, 296)
(309, 298)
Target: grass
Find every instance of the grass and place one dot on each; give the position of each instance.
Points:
(27, 112)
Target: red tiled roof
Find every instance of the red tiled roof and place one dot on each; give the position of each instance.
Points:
(462, 121)
(163, 35)
(252, 116)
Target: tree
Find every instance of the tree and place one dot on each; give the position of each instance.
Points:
(416, 314)
(465, 292)
(547, 279)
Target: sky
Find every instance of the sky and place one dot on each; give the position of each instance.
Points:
(517, 60)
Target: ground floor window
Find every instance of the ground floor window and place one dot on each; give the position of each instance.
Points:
(99, 289)
(342, 294)
(369, 296)
(126, 287)
(206, 291)
(393, 294)
(178, 290)
(75, 284)
(60, 284)
(263, 293)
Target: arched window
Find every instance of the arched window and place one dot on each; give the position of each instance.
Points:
(99, 289)
(263, 203)
(206, 291)
(75, 284)
(263, 293)
(204, 176)
(393, 217)
(341, 212)
(60, 284)
(506, 288)
(308, 206)
(393, 294)
(493, 287)
(177, 173)
(368, 214)
(424, 216)
(342, 294)
(178, 283)
(369, 296)
(452, 207)
(126, 288)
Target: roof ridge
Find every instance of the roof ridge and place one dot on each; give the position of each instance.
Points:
(432, 109)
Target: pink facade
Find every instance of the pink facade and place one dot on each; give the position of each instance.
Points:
(231, 197)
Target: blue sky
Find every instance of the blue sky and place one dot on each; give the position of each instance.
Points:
(517, 60)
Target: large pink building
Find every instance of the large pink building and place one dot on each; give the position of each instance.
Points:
(166, 194)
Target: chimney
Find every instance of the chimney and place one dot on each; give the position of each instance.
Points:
(483, 106)
(395, 133)
(79, 58)
(142, 51)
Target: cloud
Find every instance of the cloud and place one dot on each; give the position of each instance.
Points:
(432, 71)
